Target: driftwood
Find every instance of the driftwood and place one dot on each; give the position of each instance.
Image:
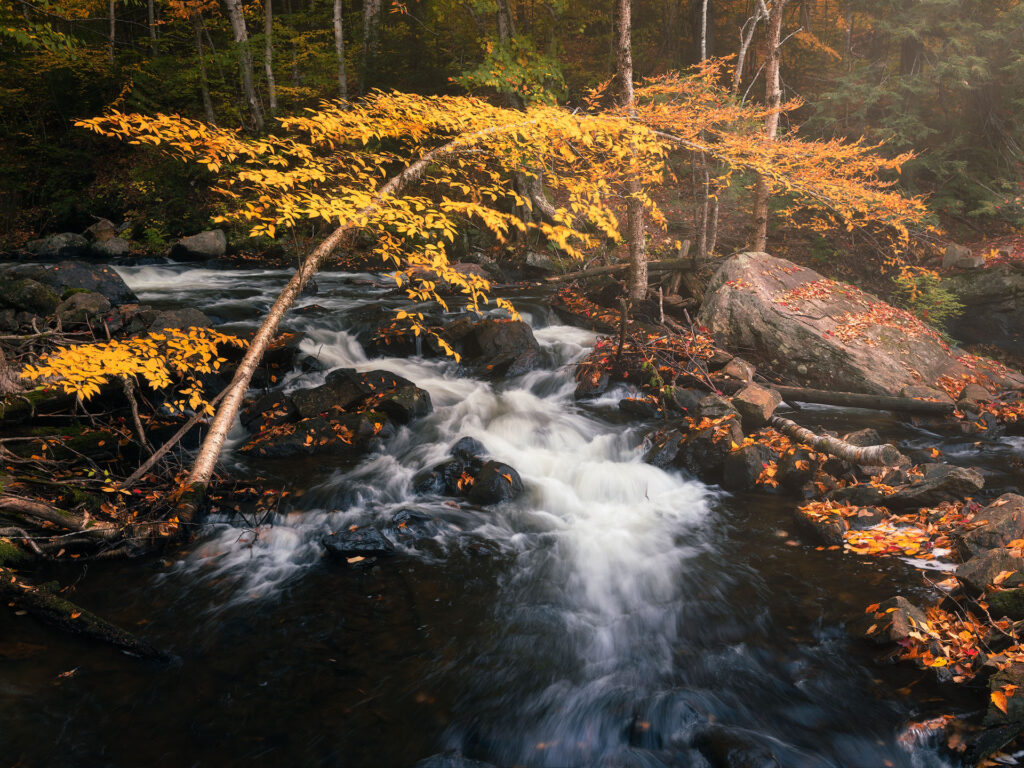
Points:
(670, 265)
(54, 610)
(865, 456)
(848, 399)
(35, 512)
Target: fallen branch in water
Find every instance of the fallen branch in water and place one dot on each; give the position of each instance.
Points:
(670, 265)
(849, 399)
(865, 456)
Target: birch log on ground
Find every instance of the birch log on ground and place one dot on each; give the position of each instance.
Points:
(865, 456)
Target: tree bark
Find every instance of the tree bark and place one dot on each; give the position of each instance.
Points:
(268, 53)
(637, 282)
(864, 456)
(849, 399)
(204, 84)
(151, 17)
(773, 98)
(371, 24)
(339, 49)
(241, 37)
(113, 31)
(704, 30)
(9, 384)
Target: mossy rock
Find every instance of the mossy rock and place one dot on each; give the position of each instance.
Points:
(11, 555)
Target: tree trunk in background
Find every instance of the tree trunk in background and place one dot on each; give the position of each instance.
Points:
(9, 383)
(506, 22)
(339, 49)
(773, 97)
(704, 30)
(371, 25)
(241, 37)
(637, 285)
(113, 30)
(204, 85)
(151, 17)
(268, 53)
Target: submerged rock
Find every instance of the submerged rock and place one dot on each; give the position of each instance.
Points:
(494, 483)
(825, 334)
(358, 542)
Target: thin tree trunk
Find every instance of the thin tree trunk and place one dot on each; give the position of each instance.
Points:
(773, 98)
(241, 37)
(268, 53)
(9, 384)
(339, 49)
(637, 283)
(371, 23)
(506, 22)
(113, 30)
(209, 452)
(704, 30)
(151, 17)
(204, 84)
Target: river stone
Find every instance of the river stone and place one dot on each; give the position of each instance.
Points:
(685, 400)
(111, 248)
(862, 438)
(442, 479)
(639, 407)
(267, 411)
(793, 322)
(591, 381)
(211, 244)
(1006, 602)
(346, 389)
(703, 452)
(739, 369)
(66, 276)
(993, 300)
(941, 482)
(82, 307)
(494, 347)
(1012, 675)
(159, 320)
(103, 229)
(715, 406)
(979, 572)
(975, 393)
(63, 246)
(892, 622)
(468, 448)
(743, 466)
(664, 447)
(361, 542)
(28, 296)
(494, 483)
(1004, 522)
(347, 435)
(929, 394)
(756, 405)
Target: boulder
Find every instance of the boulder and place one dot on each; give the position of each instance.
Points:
(928, 394)
(212, 244)
(152, 320)
(686, 400)
(715, 406)
(541, 263)
(346, 389)
(738, 369)
(639, 407)
(892, 622)
(67, 276)
(28, 295)
(703, 452)
(1006, 602)
(980, 572)
(494, 483)
(468, 448)
(973, 394)
(744, 465)
(268, 410)
(940, 482)
(494, 347)
(449, 478)
(756, 405)
(347, 435)
(66, 245)
(111, 248)
(824, 334)
(993, 300)
(358, 542)
(1003, 522)
(83, 307)
(960, 257)
(1013, 675)
(103, 229)
(664, 447)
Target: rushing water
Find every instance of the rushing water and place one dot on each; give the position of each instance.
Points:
(615, 615)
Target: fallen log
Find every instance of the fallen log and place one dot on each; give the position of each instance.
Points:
(669, 265)
(22, 508)
(864, 456)
(848, 399)
(54, 610)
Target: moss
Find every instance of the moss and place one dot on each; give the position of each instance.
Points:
(11, 555)
(72, 291)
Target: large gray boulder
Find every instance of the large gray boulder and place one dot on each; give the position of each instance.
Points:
(993, 300)
(202, 247)
(821, 333)
(67, 276)
(67, 245)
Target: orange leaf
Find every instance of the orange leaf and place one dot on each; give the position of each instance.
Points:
(999, 699)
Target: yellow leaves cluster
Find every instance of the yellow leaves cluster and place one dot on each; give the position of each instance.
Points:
(159, 359)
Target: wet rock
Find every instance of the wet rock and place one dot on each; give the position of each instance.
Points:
(347, 435)
(796, 468)
(494, 483)
(1012, 675)
(743, 466)
(715, 406)
(410, 527)
(930, 394)
(346, 389)
(267, 411)
(686, 400)
(863, 437)
(360, 542)
(493, 347)
(1006, 602)
(591, 382)
(756, 405)
(66, 245)
(974, 394)
(28, 295)
(82, 307)
(703, 452)
(941, 482)
(281, 357)
(540, 262)
(733, 748)
(892, 622)
(789, 314)
(449, 478)
(664, 447)
(212, 244)
(152, 320)
(468, 448)
(978, 573)
(739, 369)
(639, 407)
(1003, 522)
(67, 276)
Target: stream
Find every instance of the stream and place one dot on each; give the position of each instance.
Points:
(614, 615)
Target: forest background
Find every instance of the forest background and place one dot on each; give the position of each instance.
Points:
(941, 78)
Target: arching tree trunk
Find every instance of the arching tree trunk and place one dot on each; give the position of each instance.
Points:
(773, 98)
(339, 49)
(204, 83)
(268, 53)
(241, 36)
(637, 286)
